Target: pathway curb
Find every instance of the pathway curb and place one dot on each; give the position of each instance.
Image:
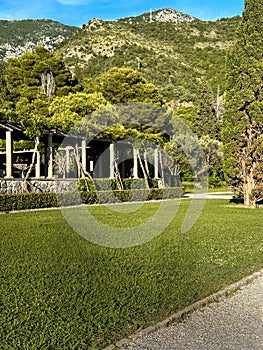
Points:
(215, 297)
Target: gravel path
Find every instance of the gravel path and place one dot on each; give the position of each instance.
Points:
(235, 323)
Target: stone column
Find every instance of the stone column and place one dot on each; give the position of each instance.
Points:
(9, 154)
(50, 157)
(83, 157)
(112, 159)
(135, 163)
(156, 163)
(37, 166)
(67, 160)
(91, 166)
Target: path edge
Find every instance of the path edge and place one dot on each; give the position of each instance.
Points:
(178, 316)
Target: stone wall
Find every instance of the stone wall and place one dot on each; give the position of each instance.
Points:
(8, 186)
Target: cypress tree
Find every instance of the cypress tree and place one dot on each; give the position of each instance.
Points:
(206, 123)
(243, 116)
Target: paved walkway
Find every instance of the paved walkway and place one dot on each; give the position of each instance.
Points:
(210, 195)
(235, 323)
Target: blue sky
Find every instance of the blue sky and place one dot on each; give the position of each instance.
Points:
(78, 12)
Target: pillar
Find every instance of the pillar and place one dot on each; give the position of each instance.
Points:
(84, 157)
(91, 166)
(135, 163)
(49, 157)
(67, 160)
(37, 166)
(9, 154)
(156, 163)
(112, 160)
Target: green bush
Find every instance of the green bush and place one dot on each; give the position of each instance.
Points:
(133, 184)
(165, 193)
(20, 201)
(33, 200)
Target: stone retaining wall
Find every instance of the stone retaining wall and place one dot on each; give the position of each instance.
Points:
(8, 186)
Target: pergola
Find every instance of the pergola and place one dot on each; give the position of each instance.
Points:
(44, 162)
(11, 132)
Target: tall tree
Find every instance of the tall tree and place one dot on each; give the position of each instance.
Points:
(206, 122)
(4, 95)
(66, 111)
(243, 117)
(33, 80)
(121, 85)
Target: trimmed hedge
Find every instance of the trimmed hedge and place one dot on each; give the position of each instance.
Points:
(136, 192)
(20, 201)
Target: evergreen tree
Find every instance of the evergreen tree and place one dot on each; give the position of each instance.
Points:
(206, 122)
(4, 96)
(120, 85)
(66, 111)
(243, 117)
(33, 80)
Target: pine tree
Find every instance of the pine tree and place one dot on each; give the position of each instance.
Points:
(33, 80)
(121, 85)
(243, 117)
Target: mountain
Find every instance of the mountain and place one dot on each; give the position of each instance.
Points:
(171, 49)
(174, 51)
(20, 36)
(162, 15)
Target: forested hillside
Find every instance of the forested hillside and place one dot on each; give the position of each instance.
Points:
(173, 50)
(176, 57)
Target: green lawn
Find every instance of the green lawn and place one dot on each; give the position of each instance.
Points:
(60, 291)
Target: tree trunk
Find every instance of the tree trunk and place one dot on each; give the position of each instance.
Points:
(247, 190)
(161, 165)
(248, 185)
(144, 172)
(146, 163)
(31, 165)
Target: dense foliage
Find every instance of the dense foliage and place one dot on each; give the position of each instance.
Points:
(175, 65)
(243, 119)
(173, 56)
(32, 81)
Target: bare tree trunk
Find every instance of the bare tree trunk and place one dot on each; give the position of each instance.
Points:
(146, 163)
(161, 165)
(248, 167)
(247, 189)
(81, 170)
(77, 159)
(144, 172)
(31, 165)
(248, 186)
(117, 176)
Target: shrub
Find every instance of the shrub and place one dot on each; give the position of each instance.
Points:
(20, 201)
(107, 193)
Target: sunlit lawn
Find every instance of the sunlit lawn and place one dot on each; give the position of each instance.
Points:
(60, 291)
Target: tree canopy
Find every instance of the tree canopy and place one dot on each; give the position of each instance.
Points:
(32, 81)
(244, 101)
(120, 85)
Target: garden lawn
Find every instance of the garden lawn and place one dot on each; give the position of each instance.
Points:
(60, 291)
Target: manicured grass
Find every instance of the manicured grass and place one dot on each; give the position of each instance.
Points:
(189, 188)
(60, 291)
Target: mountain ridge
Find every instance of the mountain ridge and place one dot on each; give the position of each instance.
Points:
(175, 56)
(160, 15)
(20, 36)
(173, 50)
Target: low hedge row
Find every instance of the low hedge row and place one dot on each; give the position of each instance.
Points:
(111, 184)
(32, 200)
